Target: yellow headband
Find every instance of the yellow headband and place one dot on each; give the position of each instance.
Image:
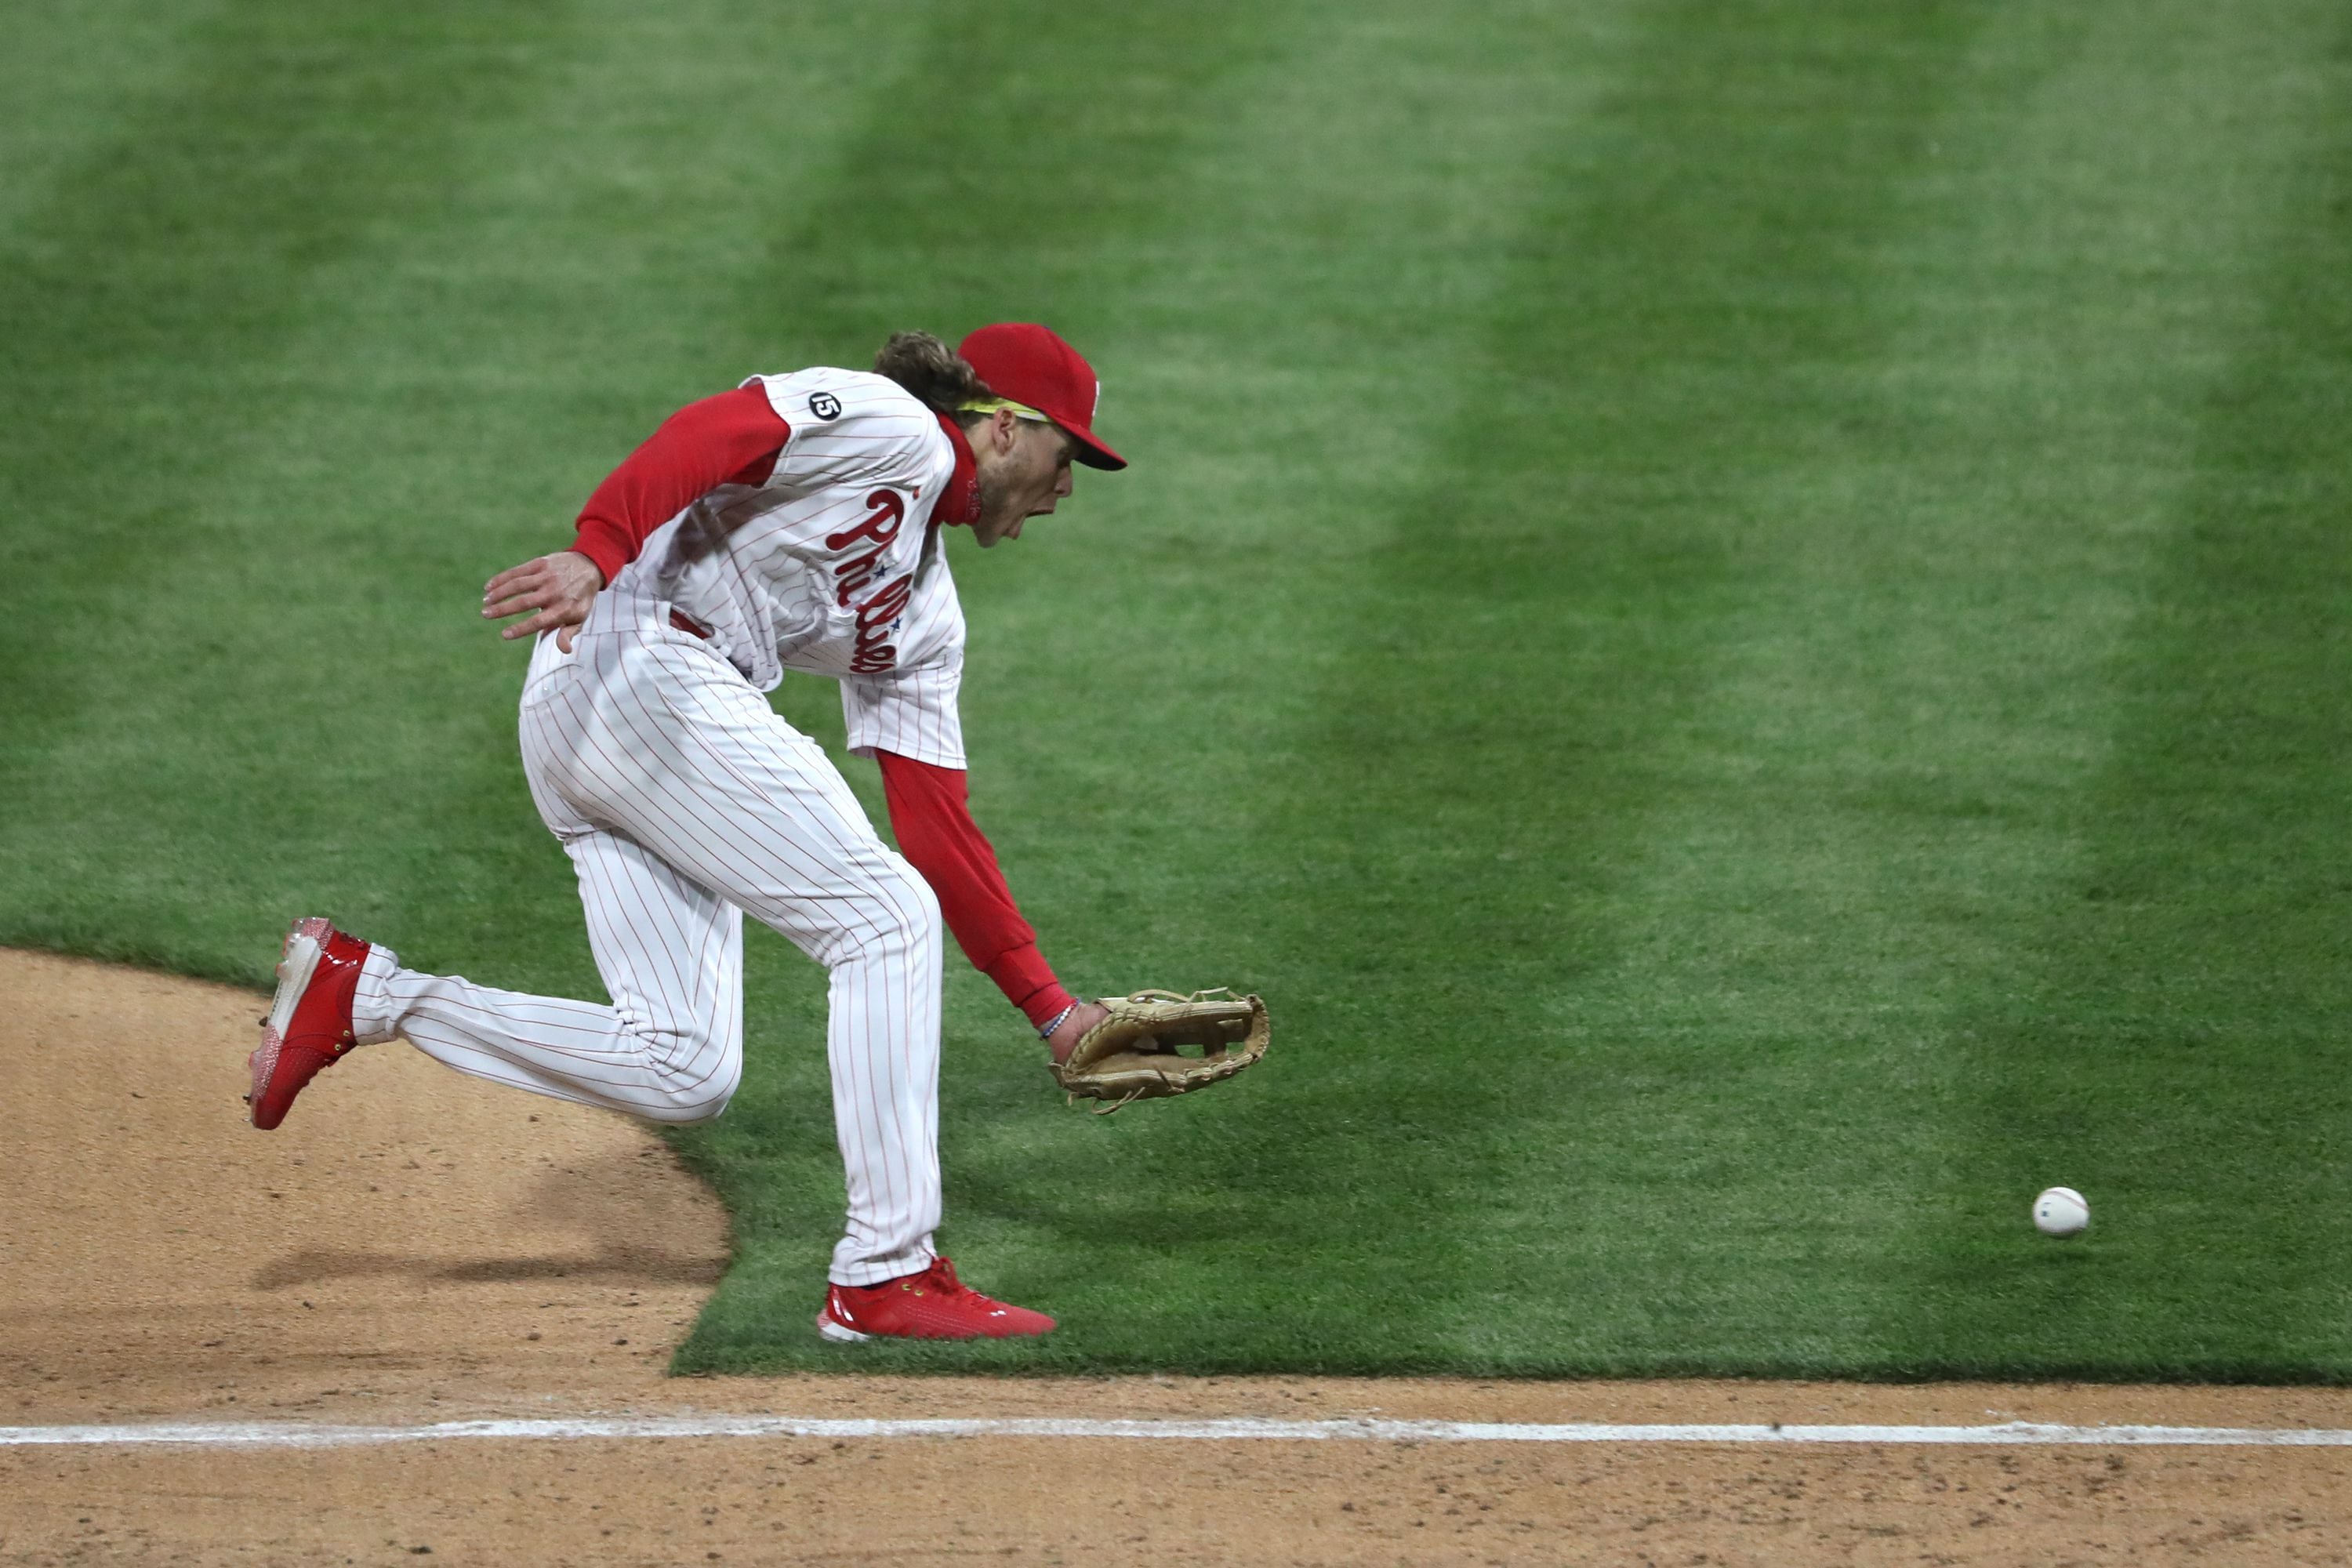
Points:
(1020, 410)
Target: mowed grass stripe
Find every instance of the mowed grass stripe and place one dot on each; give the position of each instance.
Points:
(1831, 819)
(2173, 1045)
(1547, 761)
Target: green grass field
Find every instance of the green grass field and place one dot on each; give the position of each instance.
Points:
(1741, 613)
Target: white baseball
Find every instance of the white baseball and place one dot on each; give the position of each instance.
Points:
(2060, 1211)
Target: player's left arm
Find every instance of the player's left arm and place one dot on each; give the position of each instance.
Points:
(930, 814)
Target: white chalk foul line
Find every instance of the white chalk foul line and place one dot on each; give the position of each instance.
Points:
(305, 1435)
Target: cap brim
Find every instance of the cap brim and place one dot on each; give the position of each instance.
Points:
(1091, 452)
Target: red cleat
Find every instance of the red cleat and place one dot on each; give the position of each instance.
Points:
(932, 1305)
(309, 1023)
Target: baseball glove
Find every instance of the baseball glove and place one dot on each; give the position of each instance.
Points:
(1137, 1053)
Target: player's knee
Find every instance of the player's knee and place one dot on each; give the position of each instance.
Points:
(902, 914)
(687, 1101)
(713, 1103)
(694, 1074)
(925, 913)
(724, 1091)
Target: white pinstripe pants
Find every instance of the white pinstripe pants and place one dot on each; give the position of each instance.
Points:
(683, 800)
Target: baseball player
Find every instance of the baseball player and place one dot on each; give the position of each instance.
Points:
(796, 522)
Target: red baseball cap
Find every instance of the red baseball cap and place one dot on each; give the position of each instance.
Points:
(1030, 365)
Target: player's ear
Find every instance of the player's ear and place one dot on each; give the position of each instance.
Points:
(1004, 428)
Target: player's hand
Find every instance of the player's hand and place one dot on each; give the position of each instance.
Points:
(556, 589)
(1065, 1040)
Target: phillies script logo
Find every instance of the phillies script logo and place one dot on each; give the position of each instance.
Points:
(886, 511)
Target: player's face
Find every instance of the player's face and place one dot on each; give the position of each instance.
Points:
(1023, 475)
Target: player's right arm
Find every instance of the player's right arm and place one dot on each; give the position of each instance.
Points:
(931, 815)
(732, 439)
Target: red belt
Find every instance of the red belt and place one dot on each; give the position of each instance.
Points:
(693, 628)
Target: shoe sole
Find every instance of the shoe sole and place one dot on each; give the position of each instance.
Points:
(840, 1334)
(829, 1330)
(306, 940)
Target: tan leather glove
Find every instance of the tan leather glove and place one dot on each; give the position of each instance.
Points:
(1139, 1052)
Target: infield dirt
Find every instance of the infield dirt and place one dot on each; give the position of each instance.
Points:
(415, 1247)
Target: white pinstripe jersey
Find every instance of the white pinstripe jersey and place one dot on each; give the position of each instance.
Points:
(830, 566)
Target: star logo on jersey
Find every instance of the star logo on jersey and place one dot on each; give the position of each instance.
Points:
(824, 406)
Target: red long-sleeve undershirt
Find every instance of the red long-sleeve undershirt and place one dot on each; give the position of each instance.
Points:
(734, 438)
(932, 817)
